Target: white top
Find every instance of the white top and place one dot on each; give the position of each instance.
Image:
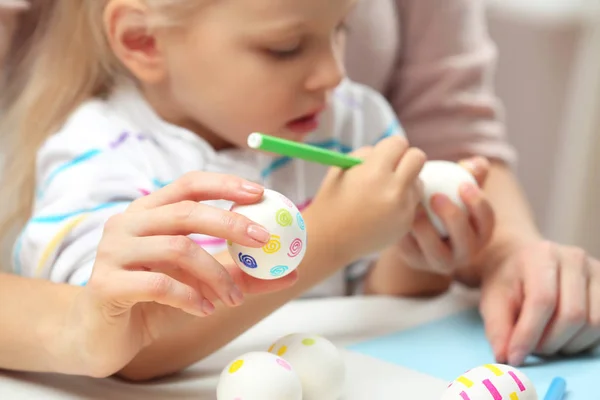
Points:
(112, 151)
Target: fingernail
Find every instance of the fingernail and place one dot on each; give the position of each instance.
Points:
(207, 307)
(516, 357)
(469, 190)
(439, 201)
(473, 165)
(259, 233)
(236, 295)
(252, 188)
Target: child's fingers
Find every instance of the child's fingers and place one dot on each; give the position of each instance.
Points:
(189, 217)
(462, 237)
(167, 252)
(540, 299)
(411, 252)
(571, 313)
(436, 252)
(410, 166)
(482, 214)
(388, 152)
(202, 186)
(478, 166)
(132, 287)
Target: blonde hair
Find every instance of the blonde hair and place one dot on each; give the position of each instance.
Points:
(58, 65)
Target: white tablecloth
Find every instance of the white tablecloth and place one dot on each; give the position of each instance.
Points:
(342, 320)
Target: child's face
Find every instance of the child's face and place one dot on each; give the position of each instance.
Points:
(254, 65)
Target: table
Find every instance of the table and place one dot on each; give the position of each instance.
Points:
(344, 321)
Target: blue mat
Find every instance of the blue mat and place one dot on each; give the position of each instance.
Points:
(448, 347)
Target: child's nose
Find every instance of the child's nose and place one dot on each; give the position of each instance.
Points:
(328, 72)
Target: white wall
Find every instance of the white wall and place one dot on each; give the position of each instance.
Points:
(548, 78)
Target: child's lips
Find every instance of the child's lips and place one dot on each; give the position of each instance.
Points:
(304, 125)
(307, 123)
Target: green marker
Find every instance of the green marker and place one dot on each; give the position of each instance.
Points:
(303, 151)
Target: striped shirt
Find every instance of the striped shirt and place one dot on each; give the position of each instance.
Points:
(115, 150)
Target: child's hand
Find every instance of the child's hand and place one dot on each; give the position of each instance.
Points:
(147, 270)
(469, 232)
(372, 205)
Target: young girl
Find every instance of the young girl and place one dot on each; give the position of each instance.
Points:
(143, 92)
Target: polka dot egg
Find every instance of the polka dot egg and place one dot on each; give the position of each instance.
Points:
(287, 246)
(318, 363)
(259, 376)
(491, 382)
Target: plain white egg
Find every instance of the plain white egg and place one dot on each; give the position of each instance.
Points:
(491, 382)
(286, 249)
(259, 375)
(318, 363)
(443, 177)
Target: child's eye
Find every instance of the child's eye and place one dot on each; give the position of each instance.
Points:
(342, 27)
(285, 53)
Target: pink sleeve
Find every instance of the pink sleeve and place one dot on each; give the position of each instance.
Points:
(443, 84)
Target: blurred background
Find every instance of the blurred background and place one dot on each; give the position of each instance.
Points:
(549, 80)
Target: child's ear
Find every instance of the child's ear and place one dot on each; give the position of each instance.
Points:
(134, 44)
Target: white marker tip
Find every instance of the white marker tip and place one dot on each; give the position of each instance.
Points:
(255, 140)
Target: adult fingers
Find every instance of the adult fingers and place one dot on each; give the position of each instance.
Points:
(589, 336)
(189, 217)
(499, 310)
(201, 186)
(571, 312)
(132, 287)
(540, 285)
(177, 253)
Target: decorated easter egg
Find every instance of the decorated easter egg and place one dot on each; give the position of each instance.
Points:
(443, 177)
(491, 382)
(318, 363)
(259, 375)
(287, 246)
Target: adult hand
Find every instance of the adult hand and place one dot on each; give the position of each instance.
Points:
(541, 298)
(148, 272)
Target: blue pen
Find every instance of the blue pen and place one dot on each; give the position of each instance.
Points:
(557, 389)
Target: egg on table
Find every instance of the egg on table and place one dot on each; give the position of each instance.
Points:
(443, 177)
(318, 363)
(287, 246)
(259, 375)
(491, 382)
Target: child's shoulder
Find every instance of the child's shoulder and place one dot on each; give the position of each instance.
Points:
(92, 124)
